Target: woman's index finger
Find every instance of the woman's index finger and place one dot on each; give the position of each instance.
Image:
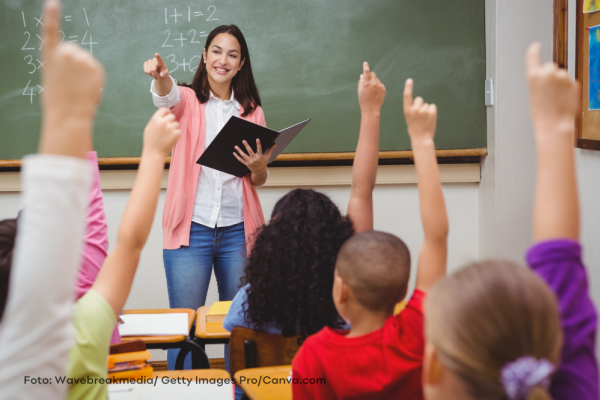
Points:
(159, 59)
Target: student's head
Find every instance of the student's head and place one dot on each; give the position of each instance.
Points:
(492, 332)
(8, 233)
(225, 59)
(371, 272)
(290, 269)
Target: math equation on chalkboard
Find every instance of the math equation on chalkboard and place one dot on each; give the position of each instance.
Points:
(179, 35)
(33, 43)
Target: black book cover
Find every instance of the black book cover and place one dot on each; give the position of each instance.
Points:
(219, 154)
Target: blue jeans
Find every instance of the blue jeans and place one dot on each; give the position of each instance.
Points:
(189, 268)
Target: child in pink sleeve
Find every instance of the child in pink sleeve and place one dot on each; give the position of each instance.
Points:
(96, 239)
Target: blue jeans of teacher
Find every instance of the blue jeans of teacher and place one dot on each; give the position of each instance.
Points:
(189, 269)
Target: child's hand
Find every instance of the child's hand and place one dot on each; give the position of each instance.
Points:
(371, 91)
(420, 117)
(554, 96)
(161, 133)
(72, 78)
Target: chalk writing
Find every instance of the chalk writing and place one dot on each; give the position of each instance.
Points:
(33, 64)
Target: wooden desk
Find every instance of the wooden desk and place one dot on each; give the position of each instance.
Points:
(193, 373)
(282, 390)
(184, 343)
(209, 333)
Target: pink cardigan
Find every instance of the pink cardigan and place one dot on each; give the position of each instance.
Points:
(184, 173)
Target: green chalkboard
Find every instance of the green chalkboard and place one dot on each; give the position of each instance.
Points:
(306, 55)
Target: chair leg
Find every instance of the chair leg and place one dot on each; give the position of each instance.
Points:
(199, 357)
(183, 352)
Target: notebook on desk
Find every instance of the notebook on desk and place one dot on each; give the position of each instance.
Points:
(219, 154)
(154, 324)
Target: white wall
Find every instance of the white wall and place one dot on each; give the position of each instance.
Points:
(396, 211)
(508, 172)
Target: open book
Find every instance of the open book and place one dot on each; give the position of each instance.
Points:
(219, 154)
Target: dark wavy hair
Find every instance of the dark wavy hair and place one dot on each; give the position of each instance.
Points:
(246, 92)
(8, 233)
(290, 269)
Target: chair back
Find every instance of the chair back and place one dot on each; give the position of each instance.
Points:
(269, 349)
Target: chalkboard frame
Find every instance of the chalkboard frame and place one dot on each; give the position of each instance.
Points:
(288, 158)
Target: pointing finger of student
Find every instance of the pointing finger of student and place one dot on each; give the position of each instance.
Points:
(366, 71)
(408, 93)
(532, 58)
(50, 28)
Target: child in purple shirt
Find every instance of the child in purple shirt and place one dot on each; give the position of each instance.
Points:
(556, 257)
(558, 262)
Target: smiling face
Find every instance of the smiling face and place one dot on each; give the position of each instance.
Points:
(223, 59)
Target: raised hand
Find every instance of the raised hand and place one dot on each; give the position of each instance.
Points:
(156, 67)
(161, 133)
(371, 91)
(72, 79)
(256, 162)
(420, 117)
(554, 96)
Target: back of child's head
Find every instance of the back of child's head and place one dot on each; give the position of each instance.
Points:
(290, 269)
(8, 233)
(376, 267)
(495, 326)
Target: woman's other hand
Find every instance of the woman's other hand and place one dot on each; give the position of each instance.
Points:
(256, 162)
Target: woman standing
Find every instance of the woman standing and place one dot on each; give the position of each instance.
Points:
(209, 216)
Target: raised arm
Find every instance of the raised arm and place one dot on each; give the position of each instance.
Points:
(36, 332)
(554, 103)
(371, 94)
(116, 276)
(421, 120)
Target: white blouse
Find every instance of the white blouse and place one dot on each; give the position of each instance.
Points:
(219, 196)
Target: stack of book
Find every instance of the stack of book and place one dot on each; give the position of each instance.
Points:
(129, 365)
(216, 315)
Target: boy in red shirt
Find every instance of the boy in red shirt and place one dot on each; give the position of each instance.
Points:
(381, 356)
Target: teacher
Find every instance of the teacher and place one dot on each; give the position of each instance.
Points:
(209, 216)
